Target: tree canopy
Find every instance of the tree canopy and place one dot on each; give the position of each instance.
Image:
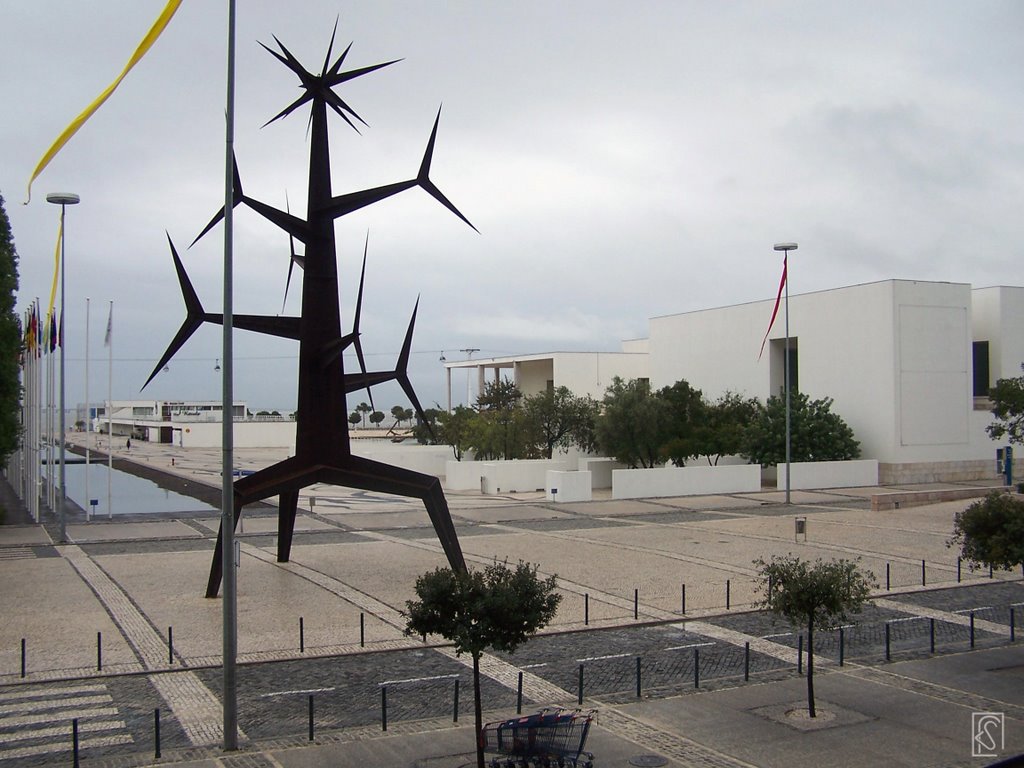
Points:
(1007, 398)
(991, 531)
(816, 433)
(634, 423)
(814, 595)
(498, 608)
(10, 341)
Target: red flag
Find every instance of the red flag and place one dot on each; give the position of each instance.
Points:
(778, 300)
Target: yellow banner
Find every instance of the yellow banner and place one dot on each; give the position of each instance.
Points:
(78, 122)
(56, 265)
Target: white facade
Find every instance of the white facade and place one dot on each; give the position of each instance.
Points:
(907, 363)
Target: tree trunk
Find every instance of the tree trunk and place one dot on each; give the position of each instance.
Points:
(810, 670)
(478, 716)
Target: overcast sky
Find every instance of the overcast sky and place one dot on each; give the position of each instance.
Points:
(620, 160)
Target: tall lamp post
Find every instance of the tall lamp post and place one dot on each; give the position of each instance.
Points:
(63, 199)
(786, 248)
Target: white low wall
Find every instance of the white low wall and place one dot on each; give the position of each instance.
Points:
(427, 459)
(600, 469)
(568, 486)
(685, 481)
(501, 476)
(807, 475)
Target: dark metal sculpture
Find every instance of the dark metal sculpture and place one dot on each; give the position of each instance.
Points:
(323, 453)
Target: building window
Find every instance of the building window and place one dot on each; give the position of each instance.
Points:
(981, 368)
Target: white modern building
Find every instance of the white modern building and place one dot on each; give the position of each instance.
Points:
(907, 363)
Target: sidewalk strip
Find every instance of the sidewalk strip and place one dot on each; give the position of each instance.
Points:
(947, 616)
(739, 639)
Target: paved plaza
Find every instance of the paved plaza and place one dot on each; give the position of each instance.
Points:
(658, 600)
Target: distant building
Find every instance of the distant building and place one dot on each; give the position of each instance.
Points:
(907, 363)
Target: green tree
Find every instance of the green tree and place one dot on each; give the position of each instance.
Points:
(816, 433)
(724, 430)
(497, 608)
(455, 429)
(687, 414)
(401, 414)
(425, 430)
(500, 430)
(355, 418)
(633, 425)
(10, 341)
(377, 417)
(363, 409)
(991, 531)
(1007, 398)
(814, 595)
(556, 418)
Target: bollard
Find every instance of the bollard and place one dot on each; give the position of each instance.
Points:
(696, 667)
(311, 717)
(684, 599)
(170, 645)
(383, 707)
(519, 695)
(990, 573)
(771, 589)
(1012, 622)
(636, 604)
(302, 635)
(958, 570)
(842, 646)
(362, 630)
(886, 577)
(727, 591)
(23, 657)
(586, 608)
(931, 635)
(746, 661)
(156, 733)
(455, 707)
(638, 694)
(99, 651)
(579, 695)
(972, 629)
(74, 741)
(800, 655)
(923, 580)
(888, 649)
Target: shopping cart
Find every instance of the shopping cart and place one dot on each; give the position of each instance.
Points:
(551, 737)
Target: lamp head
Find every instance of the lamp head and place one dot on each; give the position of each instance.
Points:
(785, 247)
(62, 198)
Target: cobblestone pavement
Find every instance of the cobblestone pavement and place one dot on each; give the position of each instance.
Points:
(603, 661)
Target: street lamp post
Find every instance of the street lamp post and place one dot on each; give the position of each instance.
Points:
(63, 199)
(786, 248)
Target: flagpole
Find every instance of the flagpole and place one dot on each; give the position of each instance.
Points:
(110, 405)
(88, 419)
(786, 248)
(227, 523)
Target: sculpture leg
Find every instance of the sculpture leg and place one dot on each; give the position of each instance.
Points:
(288, 502)
(217, 566)
(368, 475)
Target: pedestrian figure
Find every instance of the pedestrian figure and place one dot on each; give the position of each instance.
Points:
(128, 444)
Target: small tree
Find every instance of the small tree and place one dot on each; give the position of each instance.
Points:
(498, 608)
(10, 342)
(557, 418)
(687, 415)
(355, 418)
(991, 532)
(820, 594)
(455, 429)
(816, 433)
(363, 409)
(725, 426)
(634, 424)
(1007, 398)
(377, 417)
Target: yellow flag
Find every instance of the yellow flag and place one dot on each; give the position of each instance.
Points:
(56, 264)
(78, 122)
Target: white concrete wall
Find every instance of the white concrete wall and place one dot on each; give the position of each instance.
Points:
(518, 475)
(568, 486)
(600, 469)
(685, 481)
(247, 434)
(997, 317)
(590, 373)
(806, 475)
(894, 355)
(426, 459)
(463, 475)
